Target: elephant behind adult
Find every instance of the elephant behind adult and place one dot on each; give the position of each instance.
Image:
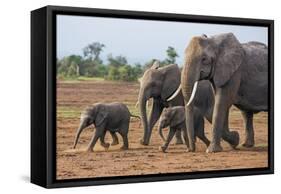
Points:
(239, 75)
(158, 83)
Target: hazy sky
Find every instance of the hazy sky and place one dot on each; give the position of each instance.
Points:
(140, 40)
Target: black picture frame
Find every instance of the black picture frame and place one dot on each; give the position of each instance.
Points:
(43, 95)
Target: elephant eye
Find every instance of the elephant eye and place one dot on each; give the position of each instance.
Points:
(205, 60)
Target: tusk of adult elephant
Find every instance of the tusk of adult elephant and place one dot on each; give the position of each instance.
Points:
(175, 93)
(193, 93)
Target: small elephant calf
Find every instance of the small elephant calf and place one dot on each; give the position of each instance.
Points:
(174, 117)
(114, 117)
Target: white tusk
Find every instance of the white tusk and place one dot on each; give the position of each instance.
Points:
(213, 89)
(193, 93)
(175, 93)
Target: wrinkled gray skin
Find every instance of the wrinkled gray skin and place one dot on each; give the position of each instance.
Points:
(173, 117)
(239, 75)
(159, 84)
(114, 117)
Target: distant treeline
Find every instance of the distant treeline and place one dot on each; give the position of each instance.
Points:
(116, 68)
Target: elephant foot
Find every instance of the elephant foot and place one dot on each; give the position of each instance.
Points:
(124, 148)
(90, 150)
(190, 150)
(106, 146)
(114, 143)
(248, 144)
(142, 142)
(214, 148)
(179, 141)
(235, 139)
(232, 138)
(163, 148)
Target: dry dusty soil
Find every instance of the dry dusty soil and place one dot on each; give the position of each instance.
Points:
(74, 96)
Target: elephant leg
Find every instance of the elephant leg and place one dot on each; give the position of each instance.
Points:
(114, 138)
(201, 132)
(124, 133)
(169, 138)
(223, 100)
(185, 137)
(189, 122)
(178, 137)
(98, 133)
(232, 137)
(102, 142)
(221, 108)
(249, 129)
(125, 142)
(156, 111)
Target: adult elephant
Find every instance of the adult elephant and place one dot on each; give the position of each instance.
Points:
(160, 84)
(239, 75)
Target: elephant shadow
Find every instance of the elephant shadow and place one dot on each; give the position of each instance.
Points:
(257, 148)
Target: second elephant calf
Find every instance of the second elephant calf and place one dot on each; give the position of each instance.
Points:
(174, 117)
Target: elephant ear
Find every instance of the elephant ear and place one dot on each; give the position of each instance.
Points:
(155, 65)
(171, 81)
(101, 115)
(176, 117)
(229, 59)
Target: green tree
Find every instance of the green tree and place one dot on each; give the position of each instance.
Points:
(137, 70)
(92, 51)
(116, 61)
(72, 70)
(171, 55)
(113, 73)
(101, 70)
(69, 66)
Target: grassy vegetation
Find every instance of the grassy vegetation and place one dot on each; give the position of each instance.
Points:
(80, 78)
(84, 78)
(68, 112)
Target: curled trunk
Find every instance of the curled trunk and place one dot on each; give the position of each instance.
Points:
(160, 131)
(79, 130)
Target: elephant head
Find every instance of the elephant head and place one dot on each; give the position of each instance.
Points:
(215, 59)
(95, 115)
(158, 83)
(171, 116)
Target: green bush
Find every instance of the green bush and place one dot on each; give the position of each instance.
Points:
(113, 73)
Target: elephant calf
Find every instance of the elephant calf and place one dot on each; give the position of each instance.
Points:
(174, 117)
(114, 117)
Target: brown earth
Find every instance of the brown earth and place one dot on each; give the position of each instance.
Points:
(74, 96)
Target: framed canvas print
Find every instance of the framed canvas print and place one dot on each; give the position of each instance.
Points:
(125, 96)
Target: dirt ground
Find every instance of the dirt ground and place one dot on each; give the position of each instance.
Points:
(74, 96)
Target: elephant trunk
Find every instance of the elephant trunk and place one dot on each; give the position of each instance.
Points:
(160, 131)
(79, 130)
(188, 84)
(142, 105)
